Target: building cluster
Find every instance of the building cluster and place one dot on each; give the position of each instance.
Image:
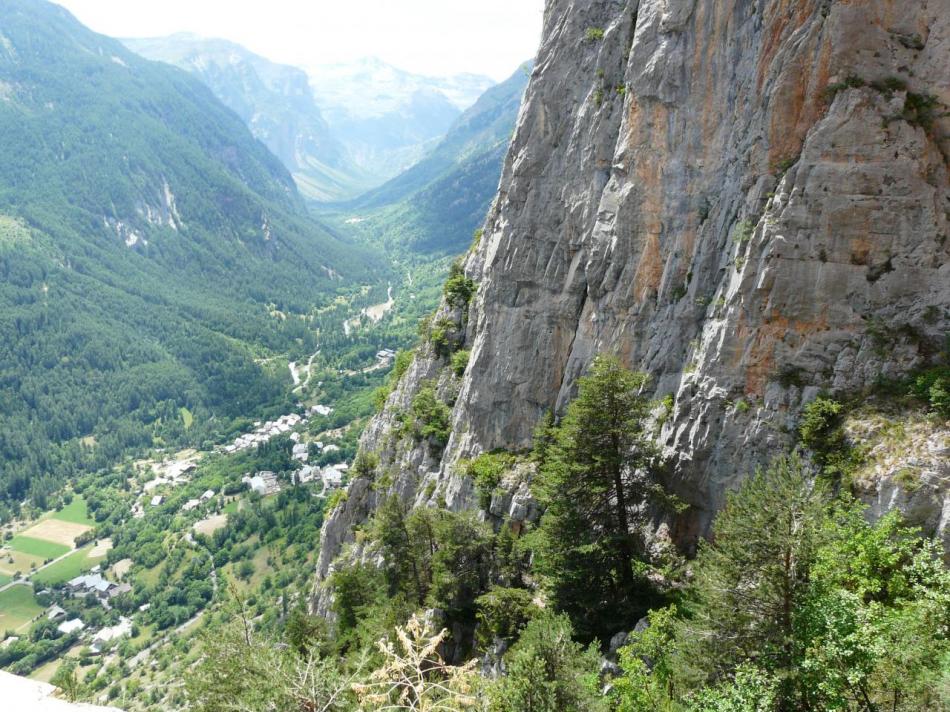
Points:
(331, 475)
(93, 583)
(264, 432)
(104, 590)
(174, 473)
(171, 474)
(263, 483)
(191, 504)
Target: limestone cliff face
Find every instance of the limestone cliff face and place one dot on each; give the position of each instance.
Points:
(747, 199)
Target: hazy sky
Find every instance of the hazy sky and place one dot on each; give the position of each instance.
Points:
(436, 37)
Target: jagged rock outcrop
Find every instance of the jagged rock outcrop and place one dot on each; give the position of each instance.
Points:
(748, 200)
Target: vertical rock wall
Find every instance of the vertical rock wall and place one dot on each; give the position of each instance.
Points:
(747, 199)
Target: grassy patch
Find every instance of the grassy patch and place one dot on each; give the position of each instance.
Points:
(70, 567)
(13, 561)
(18, 607)
(38, 547)
(5, 579)
(187, 418)
(75, 512)
(45, 673)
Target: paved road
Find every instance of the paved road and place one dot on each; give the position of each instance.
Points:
(27, 581)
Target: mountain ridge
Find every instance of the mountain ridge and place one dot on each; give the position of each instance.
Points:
(274, 100)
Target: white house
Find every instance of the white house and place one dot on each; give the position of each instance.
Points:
(208, 494)
(112, 633)
(73, 626)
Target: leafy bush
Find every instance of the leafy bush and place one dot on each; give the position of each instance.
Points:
(460, 362)
(443, 337)
(486, 471)
(336, 498)
(548, 671)
(820, 424)
(430, 418)
(743, 232)
(365, 464)
(458, 289)
(503, 612)
(933, 387)
(594, 34)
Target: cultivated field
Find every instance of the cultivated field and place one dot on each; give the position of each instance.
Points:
(210, 525)
(38, 547)
(75, 512)
(18, 607)
(70, 567)
(13, 561)
(56, 531)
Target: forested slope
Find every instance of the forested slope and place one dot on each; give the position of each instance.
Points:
(150, 249)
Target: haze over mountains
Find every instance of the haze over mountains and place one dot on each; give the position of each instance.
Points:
(340, 129)
(277, 104)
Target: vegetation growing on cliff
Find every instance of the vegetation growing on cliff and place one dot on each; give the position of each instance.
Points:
(595, 476)
(796, 603)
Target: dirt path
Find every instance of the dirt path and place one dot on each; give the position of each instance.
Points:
(28, 580)
(295, 373)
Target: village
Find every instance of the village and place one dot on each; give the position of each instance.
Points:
(70, 605)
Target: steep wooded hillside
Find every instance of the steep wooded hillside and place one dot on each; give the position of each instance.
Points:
(150, 248)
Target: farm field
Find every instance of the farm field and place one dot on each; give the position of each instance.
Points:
(70, 567)
(75, 512)
(210, 525)
(18, 607)
(14, 561)
(38, 547)
(56, 531)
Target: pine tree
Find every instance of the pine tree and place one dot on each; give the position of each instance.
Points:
(751, 577)
(596, 485)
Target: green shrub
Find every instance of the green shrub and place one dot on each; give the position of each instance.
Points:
(401, 364)
(442, 335)
(548, 671)
(820, 426)
(503, 612)
(821, 432)
(458, 288)
(379, 398)
(460, 362)
(933, 387)
(743, 231)
(486, 471)
(336, 498)
(594, 34)
(365, 464)
(430, 418)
